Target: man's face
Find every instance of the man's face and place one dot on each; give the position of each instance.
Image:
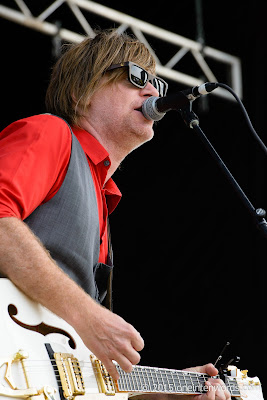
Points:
(114, 114)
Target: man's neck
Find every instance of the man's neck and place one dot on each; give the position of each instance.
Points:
(116, 154)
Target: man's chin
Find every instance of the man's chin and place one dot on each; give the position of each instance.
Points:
(144, 136)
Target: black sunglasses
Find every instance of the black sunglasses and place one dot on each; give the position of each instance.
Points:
(139, 77)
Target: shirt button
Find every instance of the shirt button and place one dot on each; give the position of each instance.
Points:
(106, 163)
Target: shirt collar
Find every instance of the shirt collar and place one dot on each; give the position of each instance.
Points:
(100, 158)
(91, 146)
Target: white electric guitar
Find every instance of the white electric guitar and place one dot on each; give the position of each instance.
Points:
(43, 358)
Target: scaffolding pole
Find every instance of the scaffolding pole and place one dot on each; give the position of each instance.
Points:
(23, 15)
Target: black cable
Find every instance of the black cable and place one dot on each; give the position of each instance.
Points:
(223, 85)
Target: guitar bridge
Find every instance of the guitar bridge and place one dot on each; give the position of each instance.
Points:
(103, 378)
(70, 375)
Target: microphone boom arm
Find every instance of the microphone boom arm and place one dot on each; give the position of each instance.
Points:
(192, 121)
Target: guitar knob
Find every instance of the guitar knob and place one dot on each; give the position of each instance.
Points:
(244, 373)
(49, 392)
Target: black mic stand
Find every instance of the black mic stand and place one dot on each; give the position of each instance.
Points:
(192, 121)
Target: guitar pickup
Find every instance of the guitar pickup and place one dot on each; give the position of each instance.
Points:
(70, 375)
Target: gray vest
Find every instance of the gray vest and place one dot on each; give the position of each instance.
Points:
(68, 226)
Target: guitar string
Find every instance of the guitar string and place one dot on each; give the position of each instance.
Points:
(134, 375)
(136, 369)
(154, 372)
(149, 373)
(44, 368)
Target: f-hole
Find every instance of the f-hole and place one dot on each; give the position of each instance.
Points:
(41, 328)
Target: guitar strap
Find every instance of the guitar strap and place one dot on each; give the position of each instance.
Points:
(108, 299)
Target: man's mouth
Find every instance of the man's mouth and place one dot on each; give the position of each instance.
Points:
(138, 109)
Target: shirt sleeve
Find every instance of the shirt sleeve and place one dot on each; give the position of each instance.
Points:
(34, 156)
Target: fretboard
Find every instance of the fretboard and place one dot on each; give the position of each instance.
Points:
(160, 380)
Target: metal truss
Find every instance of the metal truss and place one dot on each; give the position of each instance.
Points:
(183, 46)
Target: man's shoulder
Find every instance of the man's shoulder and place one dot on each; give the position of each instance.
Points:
(46, 126)
(43, 121)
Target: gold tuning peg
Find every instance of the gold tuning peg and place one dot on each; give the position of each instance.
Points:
(244, 373)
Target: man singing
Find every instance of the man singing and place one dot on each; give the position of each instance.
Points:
(56, 190)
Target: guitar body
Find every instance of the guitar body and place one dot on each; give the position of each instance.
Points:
(20, 332)
(32, 315)
(43, 358)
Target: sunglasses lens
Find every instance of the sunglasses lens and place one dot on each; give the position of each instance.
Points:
(138, 76)
(160, 86)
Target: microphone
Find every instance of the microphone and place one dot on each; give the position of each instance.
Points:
(154, 108)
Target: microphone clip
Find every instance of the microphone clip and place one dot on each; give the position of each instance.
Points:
(189, 117)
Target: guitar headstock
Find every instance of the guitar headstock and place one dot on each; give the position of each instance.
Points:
(249, 388)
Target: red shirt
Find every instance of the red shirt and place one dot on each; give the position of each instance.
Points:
(34, 157)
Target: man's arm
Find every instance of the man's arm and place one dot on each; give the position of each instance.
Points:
(25, 261)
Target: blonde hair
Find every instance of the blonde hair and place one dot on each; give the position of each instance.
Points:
(77, 74)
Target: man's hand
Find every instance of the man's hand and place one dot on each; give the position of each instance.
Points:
(215, 388)
(110, 337)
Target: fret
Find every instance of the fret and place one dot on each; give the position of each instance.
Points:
(123, 385)
(139, 377)
(191, 385)
(149, 380)
(183, 386)
(133, 381)
(145, 380)
(177, 382)
(169, 381)
(197, 383)
(232, 386)
(159, 381)
(153, 378)
(186, 383)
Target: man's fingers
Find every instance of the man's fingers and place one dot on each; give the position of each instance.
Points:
(125, 355)
(138, 342)
(111, 368)
(126, 358)
(216, 390)
(205, 369)
(133, 356)
(125, 362)
(218, 386)
(211, 370)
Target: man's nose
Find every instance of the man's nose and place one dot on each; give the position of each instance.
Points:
(150, 90)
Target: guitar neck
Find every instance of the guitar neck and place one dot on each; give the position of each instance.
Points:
(160, 380)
